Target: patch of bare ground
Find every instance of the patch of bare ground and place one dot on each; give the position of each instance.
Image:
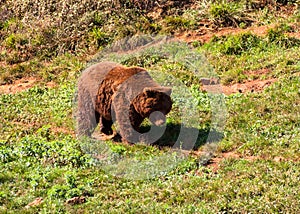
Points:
(18, 85)
(250, 86)
(99, 136)
(22, 85)
(204, 35)
(257, 72)
(294, 34)
(214, 86)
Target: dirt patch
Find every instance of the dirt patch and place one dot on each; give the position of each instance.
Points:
(63, 130)
(18, 86)
(214, 163)
(204, 35)
(212, 86)
(22, 85)
(102, 137)
(294, 34)
(251, 86)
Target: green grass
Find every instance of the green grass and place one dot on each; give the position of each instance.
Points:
(38, 161)
(267, 124)
(41, 157)
(235, 55)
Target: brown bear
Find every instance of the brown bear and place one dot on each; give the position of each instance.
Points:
(109, 92)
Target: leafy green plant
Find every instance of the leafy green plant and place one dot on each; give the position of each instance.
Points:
(100, 37)
(237, 44)
(172, 24)
(277, 37)
(224, 14)
(15, 40)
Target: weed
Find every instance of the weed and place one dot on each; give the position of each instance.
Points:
(277, 37)
(226, 14)
(100, 37)
(237, 44)
(177, 23)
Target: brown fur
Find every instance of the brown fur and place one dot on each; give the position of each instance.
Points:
(109, 86)
(128, 95)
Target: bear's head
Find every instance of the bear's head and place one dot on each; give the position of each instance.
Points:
(154, 103)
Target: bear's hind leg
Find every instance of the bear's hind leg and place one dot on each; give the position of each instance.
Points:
(105, 126)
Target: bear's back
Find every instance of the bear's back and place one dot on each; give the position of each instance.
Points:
(92, 77)
(120, 74)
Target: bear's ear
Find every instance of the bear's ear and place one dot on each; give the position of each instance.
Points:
(167, 90)
(149, 91)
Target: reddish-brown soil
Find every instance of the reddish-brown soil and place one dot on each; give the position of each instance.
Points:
(214, 163)
(99, 136)
(251, 86)
(205, 35)
(18, 85)
(63, 130)
(21, 85)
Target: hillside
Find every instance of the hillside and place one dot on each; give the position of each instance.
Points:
(250, 115)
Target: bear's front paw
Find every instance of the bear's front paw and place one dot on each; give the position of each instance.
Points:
(117, 138)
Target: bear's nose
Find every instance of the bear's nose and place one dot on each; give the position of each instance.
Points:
(157, 118)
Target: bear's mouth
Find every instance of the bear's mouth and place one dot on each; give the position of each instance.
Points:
(157, 118)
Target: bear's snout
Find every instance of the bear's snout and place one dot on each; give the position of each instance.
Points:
(157, 118)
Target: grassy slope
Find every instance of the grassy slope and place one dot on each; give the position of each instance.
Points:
(40, 157)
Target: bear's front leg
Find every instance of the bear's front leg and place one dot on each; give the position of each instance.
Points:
(128, 129)
(135, 119)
